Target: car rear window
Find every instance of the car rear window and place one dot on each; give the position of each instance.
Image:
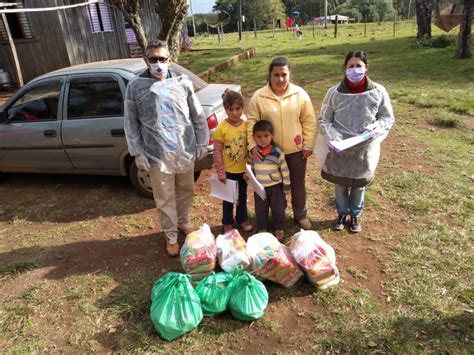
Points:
(198, 83)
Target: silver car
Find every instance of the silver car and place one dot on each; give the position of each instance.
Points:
(70, 121)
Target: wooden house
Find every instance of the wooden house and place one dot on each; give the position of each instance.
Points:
(50, 40)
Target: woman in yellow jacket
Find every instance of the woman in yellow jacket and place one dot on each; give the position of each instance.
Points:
(289, 109)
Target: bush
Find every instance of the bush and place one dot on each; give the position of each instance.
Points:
(446, 120)
(436, 42)
(442, 41)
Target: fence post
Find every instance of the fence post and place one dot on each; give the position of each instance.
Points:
(365, 25)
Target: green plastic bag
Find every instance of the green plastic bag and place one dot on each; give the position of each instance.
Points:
(175, 306)
(249, 297)
(214, 292)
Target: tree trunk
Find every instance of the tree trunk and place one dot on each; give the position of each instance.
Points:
(464, 40)
(172, 14)
(255, 28)
(424, 9)
(129, 10)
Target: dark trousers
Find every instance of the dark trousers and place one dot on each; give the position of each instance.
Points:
(228, 208)
(275, 201)
(297, 168)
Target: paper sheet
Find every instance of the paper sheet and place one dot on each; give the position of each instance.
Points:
(255, 184)
(339, 146)
(227, 192)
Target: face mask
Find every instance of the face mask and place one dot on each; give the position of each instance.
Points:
(355, 75)
(159, 69)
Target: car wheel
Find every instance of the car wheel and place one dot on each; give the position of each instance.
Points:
(197, 174)
(141, 181)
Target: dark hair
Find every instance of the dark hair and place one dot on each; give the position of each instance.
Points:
(263, 126)
(356, 54)
(230, 97)
(278, 62)
(156, 45)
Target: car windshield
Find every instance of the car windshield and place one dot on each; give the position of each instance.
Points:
(198, 83)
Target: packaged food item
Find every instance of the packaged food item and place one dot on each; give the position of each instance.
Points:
(175, 306)
(198, 253)
(272, 260)
(248, 298)
(231, 251)
(214, 292)
(316, 258)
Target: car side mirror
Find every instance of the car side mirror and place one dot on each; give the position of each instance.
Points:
(3, 117)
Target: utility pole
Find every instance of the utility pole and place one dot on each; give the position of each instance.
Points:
(15, 55)
(240, 20)
(192, 16)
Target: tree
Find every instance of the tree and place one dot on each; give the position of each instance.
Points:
(424, 9)
(464, 41)
(264, 11)
(172, 14)
(129, 9)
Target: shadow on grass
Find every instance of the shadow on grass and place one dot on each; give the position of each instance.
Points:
(67, 198)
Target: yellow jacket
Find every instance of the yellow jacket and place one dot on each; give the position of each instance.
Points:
(292, 117)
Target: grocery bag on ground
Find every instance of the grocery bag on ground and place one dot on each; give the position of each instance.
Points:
(175, 306)
(231, 251)
(316, 258)
(248, 298)
(198, 253)
(214, 292)
(272, 260)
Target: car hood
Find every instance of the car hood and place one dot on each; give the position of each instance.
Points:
(211, 95)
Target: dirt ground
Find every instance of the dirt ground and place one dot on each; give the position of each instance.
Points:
(95, 233)
(70, 200)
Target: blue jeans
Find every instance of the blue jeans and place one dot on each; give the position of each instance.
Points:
(228, 208)
(349, 200)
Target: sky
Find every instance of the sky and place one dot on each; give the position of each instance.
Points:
(201, 6)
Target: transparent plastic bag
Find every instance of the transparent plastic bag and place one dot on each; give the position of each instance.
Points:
(231, 251)
(175, 306)
(248, 298)
(214, 292)
(316, 258)
(272, 260)
(198, 253)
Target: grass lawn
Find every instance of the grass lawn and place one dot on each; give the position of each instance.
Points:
(78, 256)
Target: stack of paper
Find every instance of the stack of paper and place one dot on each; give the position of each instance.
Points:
(339, 146)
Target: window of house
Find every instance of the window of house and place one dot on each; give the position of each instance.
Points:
(99, 18)
(94, 97)
(19, 24)
(40, 103)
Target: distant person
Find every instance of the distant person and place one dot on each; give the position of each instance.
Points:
(354, 106)
(278, 23)
(289, 109)
(272, 172)
(230, 158)
(166, 133)
(298, 32)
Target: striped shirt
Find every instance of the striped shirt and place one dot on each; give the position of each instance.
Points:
(272, 170)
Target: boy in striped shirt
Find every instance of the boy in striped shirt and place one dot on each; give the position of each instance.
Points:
(272, 172)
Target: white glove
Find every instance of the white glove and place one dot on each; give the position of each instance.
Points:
(142, 163)
(201, 152)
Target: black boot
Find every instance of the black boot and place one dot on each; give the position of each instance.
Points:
(339, 224)
(355, 224)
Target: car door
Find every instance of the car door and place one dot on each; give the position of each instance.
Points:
(30, 139)
(92, 131)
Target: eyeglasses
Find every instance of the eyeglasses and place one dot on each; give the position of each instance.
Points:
(154, 60)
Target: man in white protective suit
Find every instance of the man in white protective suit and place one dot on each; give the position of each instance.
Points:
(166, 132)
